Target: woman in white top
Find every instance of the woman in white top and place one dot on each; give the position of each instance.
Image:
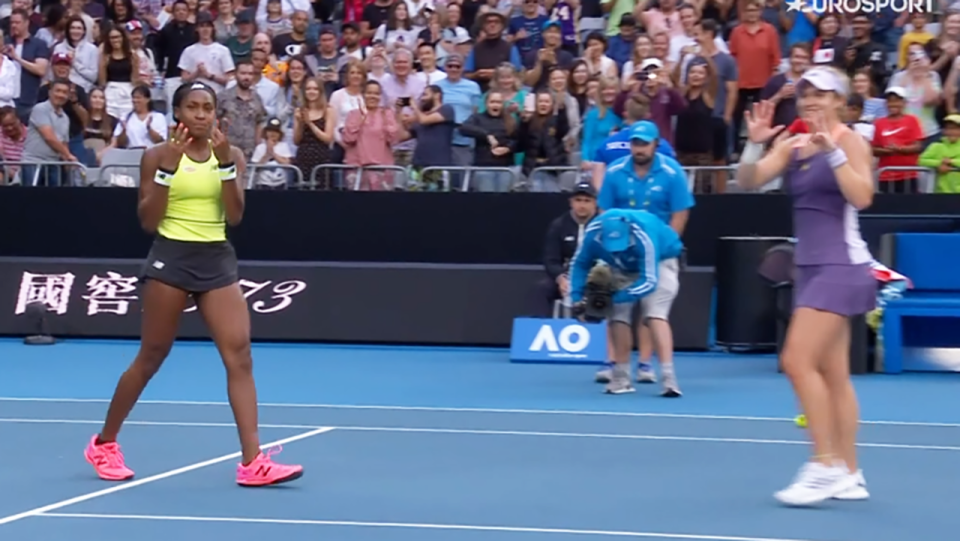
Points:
(642, 50)
(86, 58)
(598, 63)
(119, 70)
(347, 99)
(398, 32)
(452, 33)
(143, 127)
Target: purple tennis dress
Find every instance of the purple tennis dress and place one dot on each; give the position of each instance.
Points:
(833, 261)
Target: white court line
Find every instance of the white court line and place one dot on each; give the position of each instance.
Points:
(479, 432)
(160, 476)
(473, 410)
(416, 526)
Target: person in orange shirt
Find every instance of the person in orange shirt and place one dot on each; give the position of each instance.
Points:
(897, 141)
(755, 44)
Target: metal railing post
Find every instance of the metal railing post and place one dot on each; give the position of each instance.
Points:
(252, 173)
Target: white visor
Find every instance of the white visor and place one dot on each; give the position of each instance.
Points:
(823, 79)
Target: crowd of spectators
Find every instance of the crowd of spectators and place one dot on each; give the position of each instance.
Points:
(517, 86)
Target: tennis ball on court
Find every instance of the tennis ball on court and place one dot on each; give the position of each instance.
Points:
(801, 420)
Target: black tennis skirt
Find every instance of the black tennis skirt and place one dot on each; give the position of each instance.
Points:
(194, 267)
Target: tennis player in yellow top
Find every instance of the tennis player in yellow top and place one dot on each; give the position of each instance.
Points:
(189, 192)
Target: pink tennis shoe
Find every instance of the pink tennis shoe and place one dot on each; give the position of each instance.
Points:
(264, 471)
(107, 460)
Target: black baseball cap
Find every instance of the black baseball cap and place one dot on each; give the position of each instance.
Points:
(584, 188)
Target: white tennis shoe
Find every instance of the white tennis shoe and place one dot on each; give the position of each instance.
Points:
(816, 483)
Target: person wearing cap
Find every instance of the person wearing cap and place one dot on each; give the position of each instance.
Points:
(352, 48)
(490, 51)
(524, 31)
(76, 107)
(564, 236)
(646, 180)
(617, 146)
(620, 46)
(463, 96)
(207, 61)
(241, 43)
(273, 150)
(897, 141)
(830, 179)
(147, 66)
(539, 62)
(944, 156)
(642, 253)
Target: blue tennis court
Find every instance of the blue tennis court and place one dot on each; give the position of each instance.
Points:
(416, 444)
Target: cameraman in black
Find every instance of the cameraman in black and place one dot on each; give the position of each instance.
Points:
(563, 238)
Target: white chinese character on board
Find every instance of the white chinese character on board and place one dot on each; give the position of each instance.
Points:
(50, 290)
(111, 294)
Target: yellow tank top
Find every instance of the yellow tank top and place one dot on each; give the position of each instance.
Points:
(194, 208)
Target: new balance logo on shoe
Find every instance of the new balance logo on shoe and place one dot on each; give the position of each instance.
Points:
(263, 471)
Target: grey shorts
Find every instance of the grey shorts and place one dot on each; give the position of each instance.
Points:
(655, 305)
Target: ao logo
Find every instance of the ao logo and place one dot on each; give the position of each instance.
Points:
(572, 339)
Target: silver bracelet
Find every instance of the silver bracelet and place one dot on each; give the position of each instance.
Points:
(836, 158)
(752, 152)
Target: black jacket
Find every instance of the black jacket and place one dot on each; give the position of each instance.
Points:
(481, 125)
(563, 238)
(541, 147)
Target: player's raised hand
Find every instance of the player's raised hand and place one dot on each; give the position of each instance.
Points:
(221, 145)
(760, 122)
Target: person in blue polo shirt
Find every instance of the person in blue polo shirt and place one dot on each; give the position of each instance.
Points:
(648, 180)
(616, 147)
(636, 109)
(642, 253)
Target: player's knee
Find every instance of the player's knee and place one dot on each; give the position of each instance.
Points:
(150, 358)
(238, 359)
(795, 364)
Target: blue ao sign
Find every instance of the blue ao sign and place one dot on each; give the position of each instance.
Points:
(558, 341)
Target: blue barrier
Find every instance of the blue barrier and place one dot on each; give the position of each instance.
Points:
(558, 341)
(925, 320)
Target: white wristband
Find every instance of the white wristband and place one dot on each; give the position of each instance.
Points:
(163, 178)
(836, 158)
(752, 152)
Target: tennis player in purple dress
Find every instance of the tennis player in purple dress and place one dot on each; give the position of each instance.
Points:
(829, 176)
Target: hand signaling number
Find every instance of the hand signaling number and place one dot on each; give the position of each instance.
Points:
(759, 122)
(180, 139)
(221, 146)
(822, 137)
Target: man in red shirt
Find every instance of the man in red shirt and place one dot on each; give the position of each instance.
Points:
(897, 141)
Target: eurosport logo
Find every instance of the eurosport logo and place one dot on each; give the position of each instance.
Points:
(860, 6)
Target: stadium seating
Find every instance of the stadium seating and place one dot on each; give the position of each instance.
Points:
(922, 318)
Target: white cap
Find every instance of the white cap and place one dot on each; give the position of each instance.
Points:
(824, 79)
(896, 91)
(651, 63)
